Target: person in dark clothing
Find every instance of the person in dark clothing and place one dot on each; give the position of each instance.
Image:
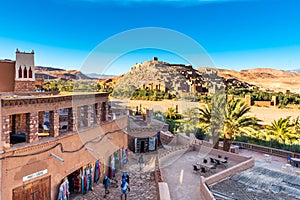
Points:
(106, 183)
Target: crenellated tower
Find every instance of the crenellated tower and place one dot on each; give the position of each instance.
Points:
(24, 72)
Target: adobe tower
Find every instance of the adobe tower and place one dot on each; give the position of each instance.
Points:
(24, 72)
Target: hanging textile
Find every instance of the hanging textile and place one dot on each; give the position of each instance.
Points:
(102, 167)
(77, 180)
(117, 161)
(83, 182)
(124, 156)
(64, 192)
(97, 171)
(127, 154)
(136, 145)
(121, 158)
(112, 163)
(89, 171)
(151, 143)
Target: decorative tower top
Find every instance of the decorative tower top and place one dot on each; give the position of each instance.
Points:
(24, 68)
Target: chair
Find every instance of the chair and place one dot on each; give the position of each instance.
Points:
(212, 160)
(214, 167)
(226, 158)
(218, 162)
(203, 170)
(45, 127)
(224, 163)
(204, 161)
(196, 169)
(64, 128)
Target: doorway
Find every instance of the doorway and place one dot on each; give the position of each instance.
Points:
(39, 189)
(142, 146)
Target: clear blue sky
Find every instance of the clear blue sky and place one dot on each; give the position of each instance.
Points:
(236, 34)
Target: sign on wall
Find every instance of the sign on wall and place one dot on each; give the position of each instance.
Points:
(34, 175)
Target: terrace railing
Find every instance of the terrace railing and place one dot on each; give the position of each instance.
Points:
(267, 150)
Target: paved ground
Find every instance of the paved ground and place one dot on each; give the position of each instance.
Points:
(183, 182)
(142, 184)
(270, 162)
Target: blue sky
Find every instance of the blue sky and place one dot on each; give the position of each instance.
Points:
(236, 34)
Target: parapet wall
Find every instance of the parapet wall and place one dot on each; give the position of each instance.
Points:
(243, 164)
(166, 137)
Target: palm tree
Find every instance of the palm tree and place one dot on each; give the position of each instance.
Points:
(211, 117)
(282, 130)
(296, 124)
(230, 120)
(205, 116)
(170, 113)
(237, 121)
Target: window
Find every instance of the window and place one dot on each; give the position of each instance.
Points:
(30, 72)
(20, 72)
(25, 72)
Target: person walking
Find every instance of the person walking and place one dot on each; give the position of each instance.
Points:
(141, 162)
(124, 188)
(106, 183)
(125, 177)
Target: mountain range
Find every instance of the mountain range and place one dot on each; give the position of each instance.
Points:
(267, 78)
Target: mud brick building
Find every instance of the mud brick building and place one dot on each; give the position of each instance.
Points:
(46, 138)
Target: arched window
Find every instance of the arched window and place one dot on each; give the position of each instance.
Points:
(20, 72)
(25, 72)
(30, 72)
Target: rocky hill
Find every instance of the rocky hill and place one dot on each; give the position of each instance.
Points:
(178, 78)
(267, 78)
(48, 73)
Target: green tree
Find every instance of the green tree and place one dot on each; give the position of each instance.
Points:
(229, 120)
(170, 113)
(211, 117)
(237, 122)
(284, 131)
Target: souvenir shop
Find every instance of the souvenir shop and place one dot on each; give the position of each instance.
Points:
(81, 180)
(117, 161)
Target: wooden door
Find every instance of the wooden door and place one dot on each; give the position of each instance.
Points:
(37, 190)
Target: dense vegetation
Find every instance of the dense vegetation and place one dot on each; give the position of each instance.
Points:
(259, 95)
(152, 95)
(233, 124)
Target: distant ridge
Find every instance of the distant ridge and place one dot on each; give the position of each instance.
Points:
(267, 78)
(51, 73)
(100, 76)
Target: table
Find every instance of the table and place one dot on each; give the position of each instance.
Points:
(207, 166)
(295, 161)
(268, 158)
(217, 158)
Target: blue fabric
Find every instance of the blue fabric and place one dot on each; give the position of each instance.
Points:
(107, 183)
(97, 171)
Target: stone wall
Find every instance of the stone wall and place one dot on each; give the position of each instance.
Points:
(262, 103)
(24, 86)
(166, 137)
(205, 192)
(230, 171)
